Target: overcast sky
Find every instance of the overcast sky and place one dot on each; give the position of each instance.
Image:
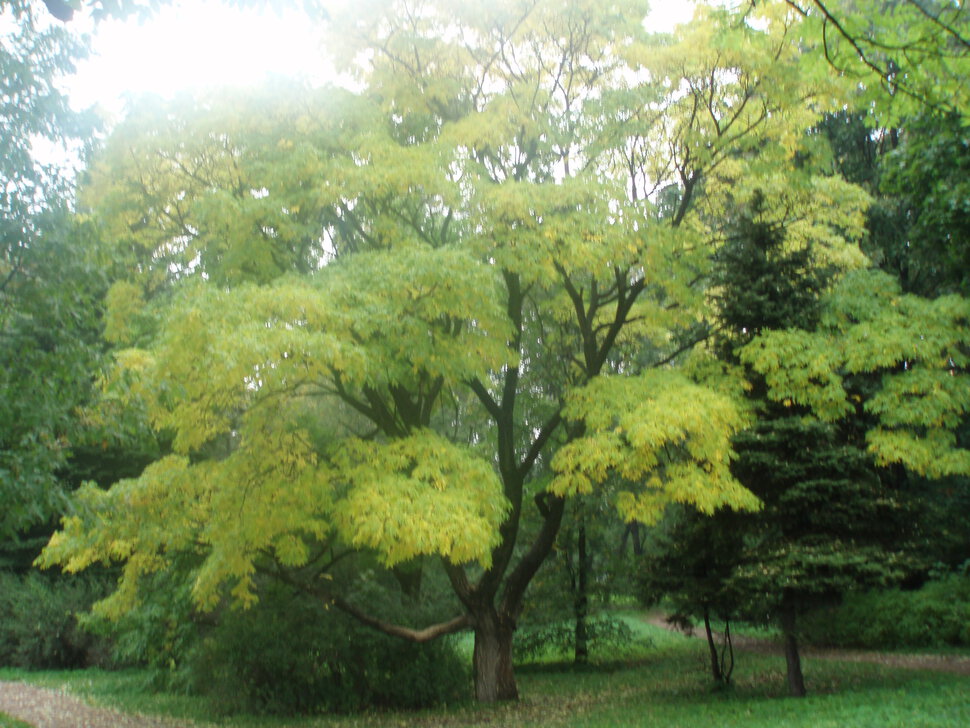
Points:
(203, 43)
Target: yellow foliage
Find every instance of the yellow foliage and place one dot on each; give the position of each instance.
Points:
(659, 429)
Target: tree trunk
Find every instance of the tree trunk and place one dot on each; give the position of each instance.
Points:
(581, 603)
(492, 661)
(796, 681)
(632, 530)
(712, 647)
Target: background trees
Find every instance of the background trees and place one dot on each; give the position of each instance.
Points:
(50, 287)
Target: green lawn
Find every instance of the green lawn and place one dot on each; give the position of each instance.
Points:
(7, 722)
(663, 683)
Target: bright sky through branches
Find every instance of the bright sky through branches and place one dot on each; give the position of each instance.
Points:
(199, 43)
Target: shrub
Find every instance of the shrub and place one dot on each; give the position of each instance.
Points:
(935, 616)
(288, 654)
(159, 633)
(39, 628)
(603, 633)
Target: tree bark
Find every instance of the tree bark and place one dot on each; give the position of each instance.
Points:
(492, 659)
(796, 680)
(712, 648)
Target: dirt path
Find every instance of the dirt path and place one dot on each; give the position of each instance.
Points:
(46, 708)
(941, 663)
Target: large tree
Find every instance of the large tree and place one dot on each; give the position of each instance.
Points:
(365, 319)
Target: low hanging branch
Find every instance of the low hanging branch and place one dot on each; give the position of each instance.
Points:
(395, 630)
(426, 634)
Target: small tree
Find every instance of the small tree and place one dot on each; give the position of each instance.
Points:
(828, 524)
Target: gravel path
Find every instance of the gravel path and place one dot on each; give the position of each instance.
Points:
(46, 708)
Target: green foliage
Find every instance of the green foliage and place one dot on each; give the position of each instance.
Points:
(33, 55)
(290, 654)
(926, 177)
(935, 615)
(916, 348)
(7, 722)
(49, 287)
(689, 559)
(762, 283)
(828, 524)
(159, 633)
(906, 57)
(40, 625)
(49, 351)
(606, 635)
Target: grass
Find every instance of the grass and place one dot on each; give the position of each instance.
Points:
(7, 722)
(659, 681)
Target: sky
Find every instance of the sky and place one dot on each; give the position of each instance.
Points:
(195, 43)
(192, 43)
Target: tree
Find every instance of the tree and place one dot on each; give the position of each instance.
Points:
(894, 363)
(48, 290)
(824, 524)
(690, 559)
(925, 176)
(908, 56)
(368, 318)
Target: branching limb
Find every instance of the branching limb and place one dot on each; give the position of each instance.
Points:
(396, 630)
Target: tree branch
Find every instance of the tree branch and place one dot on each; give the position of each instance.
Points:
(539, 443)
(396, 630)
(520, 577)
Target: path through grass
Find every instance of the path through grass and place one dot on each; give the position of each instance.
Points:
(663, 683)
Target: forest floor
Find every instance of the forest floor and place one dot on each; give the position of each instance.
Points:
(52, 708)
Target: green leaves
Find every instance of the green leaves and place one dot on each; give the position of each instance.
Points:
(905, 57)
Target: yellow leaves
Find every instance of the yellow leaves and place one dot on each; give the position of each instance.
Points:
(911, 350)
(935, 454)
(419, 495)
(660, 428)
(801, 367)
(123, 304)
(418, 313)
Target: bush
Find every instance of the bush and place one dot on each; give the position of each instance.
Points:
(603, 633)
(159, 633)
(288, 654)
(39, 627)
(937, 615)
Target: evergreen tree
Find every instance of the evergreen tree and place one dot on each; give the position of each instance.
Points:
(827, 522)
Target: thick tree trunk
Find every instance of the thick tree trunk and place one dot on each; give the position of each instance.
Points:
(712, 648)
(492, 660)
(796, 681)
